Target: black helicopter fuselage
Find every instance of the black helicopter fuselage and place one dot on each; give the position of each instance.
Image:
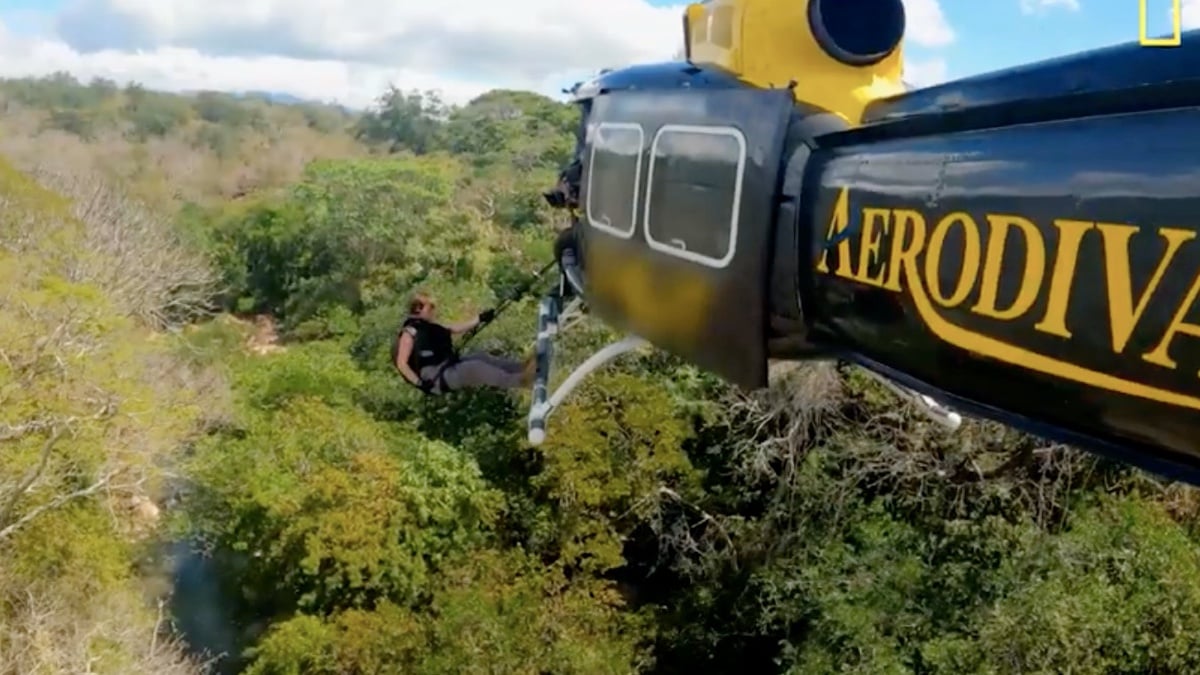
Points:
(1022, 244)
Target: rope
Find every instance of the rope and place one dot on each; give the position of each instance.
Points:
(507, 302)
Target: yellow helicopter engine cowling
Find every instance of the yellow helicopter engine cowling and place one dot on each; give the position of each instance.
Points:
(837, 55)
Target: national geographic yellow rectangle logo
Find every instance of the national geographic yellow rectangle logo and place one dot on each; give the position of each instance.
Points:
(1176, 26)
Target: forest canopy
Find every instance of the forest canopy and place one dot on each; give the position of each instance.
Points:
(208, 463)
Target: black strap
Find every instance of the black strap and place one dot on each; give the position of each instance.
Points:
(439, 379)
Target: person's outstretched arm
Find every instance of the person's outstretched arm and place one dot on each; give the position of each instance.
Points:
(464, 326)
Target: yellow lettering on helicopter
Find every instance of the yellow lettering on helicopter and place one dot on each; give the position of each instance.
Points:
(956, 266)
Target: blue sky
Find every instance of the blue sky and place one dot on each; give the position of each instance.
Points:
(29, 17)
(995, 33)
(47, 5)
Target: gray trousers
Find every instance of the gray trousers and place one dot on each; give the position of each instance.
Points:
(478, 370)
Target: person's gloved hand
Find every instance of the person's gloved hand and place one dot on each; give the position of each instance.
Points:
(426, 387)
(487, 315)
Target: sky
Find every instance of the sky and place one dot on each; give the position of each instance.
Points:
(348, 51)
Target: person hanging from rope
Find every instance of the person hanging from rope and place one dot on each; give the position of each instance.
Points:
(425, 356)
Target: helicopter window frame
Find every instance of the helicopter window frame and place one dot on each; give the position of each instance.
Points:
(734, 218)
(637, 178)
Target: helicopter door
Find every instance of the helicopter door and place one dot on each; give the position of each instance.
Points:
(679, 190)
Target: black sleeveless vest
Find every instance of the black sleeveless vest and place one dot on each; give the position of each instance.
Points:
(432, 345)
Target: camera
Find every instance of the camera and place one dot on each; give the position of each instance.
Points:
(566, 193)
(555, 198)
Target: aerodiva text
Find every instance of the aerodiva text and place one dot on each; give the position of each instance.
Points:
(1042, 269)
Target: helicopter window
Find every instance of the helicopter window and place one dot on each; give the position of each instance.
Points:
(614, 172)
(694, 192)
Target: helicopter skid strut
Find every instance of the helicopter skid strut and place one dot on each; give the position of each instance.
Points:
(931, 407)
(550, 315)
(553, 317)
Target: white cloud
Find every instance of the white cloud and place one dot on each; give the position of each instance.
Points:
(525, 40)
(181, 69)
(349, 51)
(1039, 6)
(1190, 14)
(927, 25)
(925, 73)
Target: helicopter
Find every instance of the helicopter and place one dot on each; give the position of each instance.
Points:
(1020, 246)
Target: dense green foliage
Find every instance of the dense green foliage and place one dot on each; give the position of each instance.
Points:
(668, 525)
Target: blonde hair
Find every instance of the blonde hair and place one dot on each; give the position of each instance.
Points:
(419, 301)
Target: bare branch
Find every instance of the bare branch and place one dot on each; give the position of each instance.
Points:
(12, 432)
(100, 484)
(31, 477)
(705, 517)
(132, 254)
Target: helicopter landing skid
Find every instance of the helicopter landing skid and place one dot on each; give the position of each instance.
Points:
(552, 318)
(930, 407)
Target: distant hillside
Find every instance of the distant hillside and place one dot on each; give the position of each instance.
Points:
(280, 98)
(171, 148)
